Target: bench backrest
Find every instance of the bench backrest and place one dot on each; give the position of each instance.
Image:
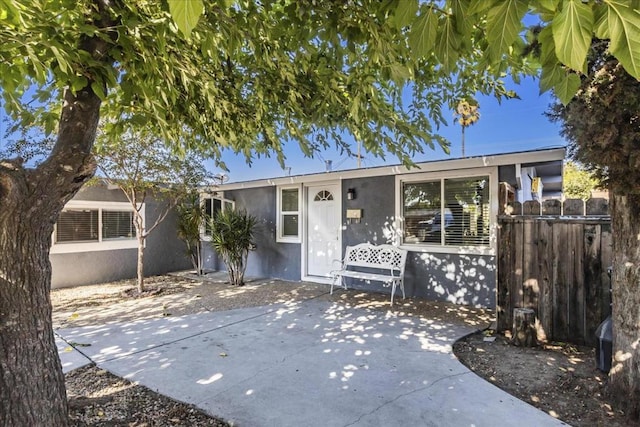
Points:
(376, 256)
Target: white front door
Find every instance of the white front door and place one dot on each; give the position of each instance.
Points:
(323, 229)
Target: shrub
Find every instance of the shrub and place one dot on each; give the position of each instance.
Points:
(232, 238)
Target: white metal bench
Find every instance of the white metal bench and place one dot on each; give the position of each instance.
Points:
(382, 263)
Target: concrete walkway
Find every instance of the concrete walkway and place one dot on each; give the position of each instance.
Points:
(309, 363)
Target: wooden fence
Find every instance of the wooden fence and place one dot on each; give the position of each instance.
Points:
(556, 265)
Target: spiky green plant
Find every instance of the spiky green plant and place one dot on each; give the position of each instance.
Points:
(232, 238)
(191, 217)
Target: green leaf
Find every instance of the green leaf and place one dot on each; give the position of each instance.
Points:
(400, 73)
(405, 13)
(62, 63)
(447, 43)
(601, 25)
(504, 23)
(9, 12)
(478, 7)
(78, 83)
(572, 34)
(624, 31)
(97, 89)
(460, 9)
(567, 87)
(552, 75)
(422, 37)
(547, 50)
(186, 14)
(547, 5)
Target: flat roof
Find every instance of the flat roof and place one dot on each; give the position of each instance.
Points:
(522, 157)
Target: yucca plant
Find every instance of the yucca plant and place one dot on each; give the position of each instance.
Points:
(232, 238)
(191, 217)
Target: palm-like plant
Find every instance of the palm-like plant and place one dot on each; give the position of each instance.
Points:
(232, 238)
(191, 217)
(467, 113)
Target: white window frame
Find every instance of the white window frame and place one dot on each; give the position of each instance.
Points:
(491, 172)
(280, 238)
(101, 244)
(217, 195)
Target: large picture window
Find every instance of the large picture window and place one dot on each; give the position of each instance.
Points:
(446, 212)
(85, 226)
(288, 225)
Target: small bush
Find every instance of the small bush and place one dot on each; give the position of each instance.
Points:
(232, 238)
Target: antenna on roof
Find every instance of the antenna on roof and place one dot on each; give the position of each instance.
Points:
(327, 165)
(221, 178)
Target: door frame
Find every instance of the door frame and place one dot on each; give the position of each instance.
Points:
(305, 230)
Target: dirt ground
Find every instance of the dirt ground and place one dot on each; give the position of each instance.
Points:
(559, 379)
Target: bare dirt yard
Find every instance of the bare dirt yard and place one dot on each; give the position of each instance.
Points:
(559, 379)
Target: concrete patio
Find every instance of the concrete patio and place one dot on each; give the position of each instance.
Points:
(313, 362)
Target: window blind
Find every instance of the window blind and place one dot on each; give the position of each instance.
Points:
(77, 225)
(117, 225)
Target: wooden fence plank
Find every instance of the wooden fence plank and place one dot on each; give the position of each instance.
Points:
(545, 257)
(576, 300)
(514, 208)
(561, 269)
(517, 242)
(597, 207)
(530, 287)
(552, 207)
(531, 207)
(503, 303)
(573, 207)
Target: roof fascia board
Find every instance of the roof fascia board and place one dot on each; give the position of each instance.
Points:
(433, 166)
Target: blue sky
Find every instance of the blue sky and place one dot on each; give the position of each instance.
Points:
(514, 125)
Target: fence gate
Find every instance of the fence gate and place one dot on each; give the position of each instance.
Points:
(556, 265)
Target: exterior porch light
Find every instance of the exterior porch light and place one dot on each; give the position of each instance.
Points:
(351, 194)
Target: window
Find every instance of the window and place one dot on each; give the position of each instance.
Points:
(288, 225)
(77, 225)
(446, 212)
(85, 226)
(117, 225)
(212, 205)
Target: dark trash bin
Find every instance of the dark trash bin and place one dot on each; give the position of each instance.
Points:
(604, 345)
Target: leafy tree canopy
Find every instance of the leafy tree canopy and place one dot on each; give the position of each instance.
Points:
(602, 122)
(578, 182)
(250, 77)
(561, 33)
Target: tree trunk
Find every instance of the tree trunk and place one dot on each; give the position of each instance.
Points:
(624, 377)
(199, 258)
(523, 333)
(32, 391)
(140, 268)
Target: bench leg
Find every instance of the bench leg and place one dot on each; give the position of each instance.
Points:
(343, 284)
(393, 289)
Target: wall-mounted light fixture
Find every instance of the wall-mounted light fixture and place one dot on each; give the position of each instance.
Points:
(351, 194)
